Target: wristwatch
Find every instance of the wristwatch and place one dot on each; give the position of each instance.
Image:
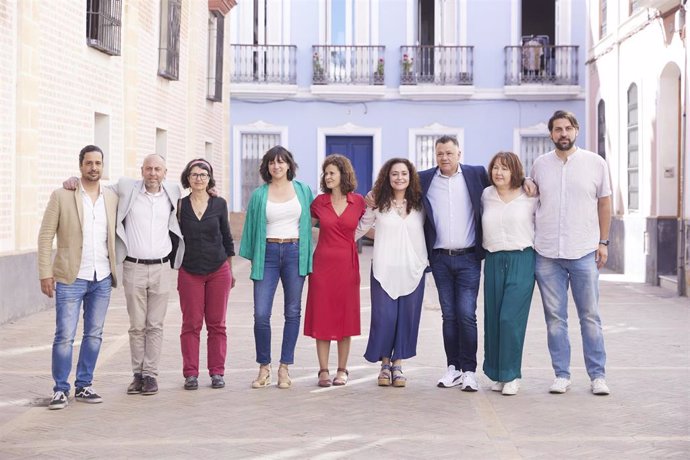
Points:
(604, 242)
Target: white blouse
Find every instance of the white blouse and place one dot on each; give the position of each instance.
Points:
(400, 256)
(282, 219)
(507, 226)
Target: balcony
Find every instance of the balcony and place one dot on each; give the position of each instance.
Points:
(264, 71)
(436, 71)
(348, 72)
(545, 70)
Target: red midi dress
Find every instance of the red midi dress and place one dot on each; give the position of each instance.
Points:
(333, 297)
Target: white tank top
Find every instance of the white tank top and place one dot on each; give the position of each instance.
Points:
(282, 219)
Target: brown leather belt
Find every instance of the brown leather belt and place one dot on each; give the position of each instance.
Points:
(282, 240)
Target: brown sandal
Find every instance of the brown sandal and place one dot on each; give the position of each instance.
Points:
(325, 383)
(340, 381)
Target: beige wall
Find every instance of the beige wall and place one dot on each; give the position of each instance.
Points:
(61, 83)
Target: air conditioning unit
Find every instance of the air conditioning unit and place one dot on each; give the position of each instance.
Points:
(663, 6)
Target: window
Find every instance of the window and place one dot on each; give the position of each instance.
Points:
(602, 18)
(103, 25)
(633, 151)
(208, 151)
(532, 147)
(216, 30)
(253, 147)
(425, 151)
(101, 138)
(601, 129)
(162, 142)
(169, 51)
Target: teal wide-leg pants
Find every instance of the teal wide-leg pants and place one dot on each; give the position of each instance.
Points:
(508, 288)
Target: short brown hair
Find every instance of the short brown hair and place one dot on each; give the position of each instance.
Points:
(558, 114)
(348, 180)
(277, 153)
(512, 161)
(199, 163)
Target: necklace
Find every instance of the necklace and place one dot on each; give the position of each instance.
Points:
(400, 208)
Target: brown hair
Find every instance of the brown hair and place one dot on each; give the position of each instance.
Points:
(512, 161)
(273, 154)
(383, 192)
(197, 163)
(558, 114)
(348, 180)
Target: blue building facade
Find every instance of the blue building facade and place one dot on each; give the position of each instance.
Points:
(374, 79)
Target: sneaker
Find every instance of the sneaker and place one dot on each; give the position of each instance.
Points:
(135, 387)
(58, 401)
(511, 388)
(87, 395)
(217, 381)
(599, 387)
(191, 382)
(150, 386)
(469, 381)
(560, 385)
(450, 379)
(497, 386)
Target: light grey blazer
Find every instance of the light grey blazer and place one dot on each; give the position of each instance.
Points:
(126, 189)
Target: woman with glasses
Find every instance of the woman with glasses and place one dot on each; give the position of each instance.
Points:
(205, 277)
(277, 240)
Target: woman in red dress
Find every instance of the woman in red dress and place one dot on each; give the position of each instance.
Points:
(333, 299)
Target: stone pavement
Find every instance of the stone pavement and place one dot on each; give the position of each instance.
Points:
(647, 414)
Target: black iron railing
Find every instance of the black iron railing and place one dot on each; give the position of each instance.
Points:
(264, 64)
(103, 25)
(436, 65)
(545, 64)
(350, 65)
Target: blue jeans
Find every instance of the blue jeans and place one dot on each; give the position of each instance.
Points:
(95, 296)
(281, 262)
(553, 278)
(457, 281)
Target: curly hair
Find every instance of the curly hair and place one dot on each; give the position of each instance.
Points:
(512, 162)
(348, 180)
(383, 192)
(197, 163)
(277, 153)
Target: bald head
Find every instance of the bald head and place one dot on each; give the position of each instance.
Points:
(153, 172)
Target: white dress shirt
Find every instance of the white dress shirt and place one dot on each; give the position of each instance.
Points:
(400, 256)
(453, 216)
(94, 253)
(146, 225)
(567, 219)
(507, 226)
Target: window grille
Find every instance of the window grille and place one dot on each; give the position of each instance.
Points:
(103, 25)
(253, 147)
(169, 51)
(532, 147)
(425, 151)
(216, 31)
(633, 151)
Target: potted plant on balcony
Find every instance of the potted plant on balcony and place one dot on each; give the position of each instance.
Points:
(319, 75)
(378, 74)
(407, 76)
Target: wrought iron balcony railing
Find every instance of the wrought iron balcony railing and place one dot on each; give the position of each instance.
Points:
(264, 64)
(348, 65)
(545, 64)
(436, 65)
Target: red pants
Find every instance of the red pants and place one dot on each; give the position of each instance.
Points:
(204, 297)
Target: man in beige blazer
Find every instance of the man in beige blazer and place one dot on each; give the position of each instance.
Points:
(83, 272)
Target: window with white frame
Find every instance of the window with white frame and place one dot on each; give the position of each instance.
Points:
(253, 146)
(423, 144)
(169, 49)
(216, 33)
(531, 147)
(633, 151)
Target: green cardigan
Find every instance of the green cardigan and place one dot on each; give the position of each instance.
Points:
(253, 244)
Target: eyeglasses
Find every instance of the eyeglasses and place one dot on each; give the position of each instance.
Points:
(202, 176)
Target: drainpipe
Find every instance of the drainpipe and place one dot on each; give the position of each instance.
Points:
(682, 234)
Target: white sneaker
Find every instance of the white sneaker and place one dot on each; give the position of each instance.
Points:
(451, 378)
(559, 385)
(469, 381)
(497, 386)
(599, 387)
(511, 388)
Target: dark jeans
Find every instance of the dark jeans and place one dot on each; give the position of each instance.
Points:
(457, 281)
